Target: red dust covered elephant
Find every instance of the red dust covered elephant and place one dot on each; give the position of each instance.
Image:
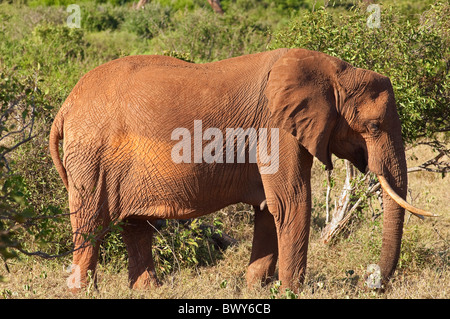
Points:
(153, 137)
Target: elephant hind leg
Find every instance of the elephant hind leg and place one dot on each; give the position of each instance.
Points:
(138, 237)
(264, 249)
(87, 236)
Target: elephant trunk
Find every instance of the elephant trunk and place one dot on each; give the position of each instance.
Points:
(392, 231)
(393, 179)
(392, 174)
(394, 182)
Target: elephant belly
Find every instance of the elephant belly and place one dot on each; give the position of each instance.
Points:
(191, 192)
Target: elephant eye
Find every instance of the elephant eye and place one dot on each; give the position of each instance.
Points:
(374, 127)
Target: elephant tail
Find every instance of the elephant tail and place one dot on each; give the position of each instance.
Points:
(57, 134)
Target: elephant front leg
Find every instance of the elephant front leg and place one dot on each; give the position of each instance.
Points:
(288, 194)
(293, 238)
(138, 237)
(264, 249)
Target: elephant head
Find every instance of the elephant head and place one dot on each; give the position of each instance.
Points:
(332, 107)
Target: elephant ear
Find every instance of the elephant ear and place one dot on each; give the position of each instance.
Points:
(302, 99)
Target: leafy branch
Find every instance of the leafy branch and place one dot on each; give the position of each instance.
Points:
(19, 97)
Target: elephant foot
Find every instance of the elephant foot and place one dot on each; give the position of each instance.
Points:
(78, 288)
(146, 280)
(81, 278)
(261, 272)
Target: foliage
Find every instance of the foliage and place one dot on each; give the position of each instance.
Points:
(275, 292)
(22, 103)
(101, 17)
(69, 42)
(184, 244)
(206, 36)
(176, 245)
(182, 4)
(149, 21)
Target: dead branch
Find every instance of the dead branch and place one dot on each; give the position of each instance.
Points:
(434, 165)
(331, 231)
(342, 207)
(140, 4)
(216, 6)
(327, 199)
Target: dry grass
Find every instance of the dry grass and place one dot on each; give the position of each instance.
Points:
(334, 271)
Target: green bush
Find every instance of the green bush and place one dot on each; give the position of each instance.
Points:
(182, 4)
(149, 21)
(22, 105)
(34, 3)
(101, 17)
(67, 41)
(206, 36)
(184, 244)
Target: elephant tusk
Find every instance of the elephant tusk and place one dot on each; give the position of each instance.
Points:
(263, 205)
(414, 210)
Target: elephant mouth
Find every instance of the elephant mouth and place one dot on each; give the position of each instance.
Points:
(358, 158)
(361, 162)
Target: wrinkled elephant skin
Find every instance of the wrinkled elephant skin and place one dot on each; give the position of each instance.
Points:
(141, 143)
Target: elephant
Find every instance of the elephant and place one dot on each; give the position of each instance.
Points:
(126, 122)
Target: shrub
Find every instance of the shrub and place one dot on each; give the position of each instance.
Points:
(184, 244)
(183, 4)
(101, 17)
(149, 21)
(22, 104)
(206, 36)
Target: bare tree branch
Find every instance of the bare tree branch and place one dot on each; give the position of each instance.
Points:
(439, 166)
(342, 206)
(216, 6)
(332, 230)
(140, 4)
